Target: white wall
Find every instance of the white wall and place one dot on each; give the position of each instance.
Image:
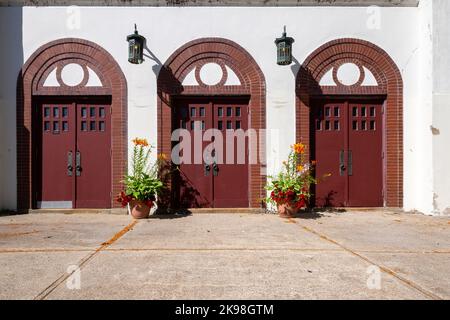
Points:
(255, 29)
(11, 60)
(441, 107)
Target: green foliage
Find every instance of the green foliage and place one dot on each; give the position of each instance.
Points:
(143, 184)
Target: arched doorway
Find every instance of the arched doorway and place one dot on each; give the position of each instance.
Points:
(202, 81)
(71, 127)
(349, 107)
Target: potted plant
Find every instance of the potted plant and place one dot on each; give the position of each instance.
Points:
(143, 184)
(290, 189)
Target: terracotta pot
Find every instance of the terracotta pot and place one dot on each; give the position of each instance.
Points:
(287, 211)
(139, 210)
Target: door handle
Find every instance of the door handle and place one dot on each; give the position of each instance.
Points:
(69, 163)
(342, 167)
(350, 163)
(207, 169)
(78, 164)
(215, 169)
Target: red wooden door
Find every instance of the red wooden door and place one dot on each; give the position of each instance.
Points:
(328, 149)
(365, 139)
(209, 180)
(231, 177)
(193, 182)
(93, 156)
(346, 142)
(73, 156)
(54, 162)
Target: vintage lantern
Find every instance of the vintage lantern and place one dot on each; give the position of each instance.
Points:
(284, 49)
(136, 45)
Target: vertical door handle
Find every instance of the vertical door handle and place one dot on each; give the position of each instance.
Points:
(342, 167)
(350, 163)
(69, 163)
(207, 169)
(78, 164)
(215, 169)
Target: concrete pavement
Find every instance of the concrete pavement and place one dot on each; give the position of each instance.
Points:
(225, 256)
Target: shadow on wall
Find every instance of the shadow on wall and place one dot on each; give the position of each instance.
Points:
(168, 85)
(11, 61)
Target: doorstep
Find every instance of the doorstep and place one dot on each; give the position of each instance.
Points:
(123, 211)
(225, 210)
(120, 211)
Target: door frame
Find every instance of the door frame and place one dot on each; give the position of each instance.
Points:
(314, 99)
(190, 57)
(328, 58)
(54, 56)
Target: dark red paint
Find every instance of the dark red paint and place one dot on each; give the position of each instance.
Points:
(347, 144)
(65, 130)
(216, 182)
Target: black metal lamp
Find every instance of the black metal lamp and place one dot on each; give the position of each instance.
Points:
(284, 49)
(136, 44)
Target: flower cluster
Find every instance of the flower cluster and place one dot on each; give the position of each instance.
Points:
(299, 148)
(140, 142)
(289, 197)
(292, 185)
(125, 199)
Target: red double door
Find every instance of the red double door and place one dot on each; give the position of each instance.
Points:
(73, 155)
(213, 170)
(346, 142)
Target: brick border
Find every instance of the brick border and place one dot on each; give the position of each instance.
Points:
(30, 87)
(390, 85)
(224, 52)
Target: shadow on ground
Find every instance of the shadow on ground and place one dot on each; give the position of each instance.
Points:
(164, 215)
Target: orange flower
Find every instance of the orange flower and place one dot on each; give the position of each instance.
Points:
(140, 142)
(299, 148)
(162, 156)
(300, 168)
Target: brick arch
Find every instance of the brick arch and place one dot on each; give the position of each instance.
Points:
(223, 52)
(30, 87)
(390, 86)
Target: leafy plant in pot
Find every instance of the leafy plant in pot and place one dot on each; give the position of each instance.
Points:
(143, 184)
(290, 189)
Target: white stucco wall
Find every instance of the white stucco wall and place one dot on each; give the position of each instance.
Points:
(399, 31)
(441, 107)
(11, 60)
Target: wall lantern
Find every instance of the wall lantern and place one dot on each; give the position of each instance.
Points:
(136, 45)
(284, 49)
